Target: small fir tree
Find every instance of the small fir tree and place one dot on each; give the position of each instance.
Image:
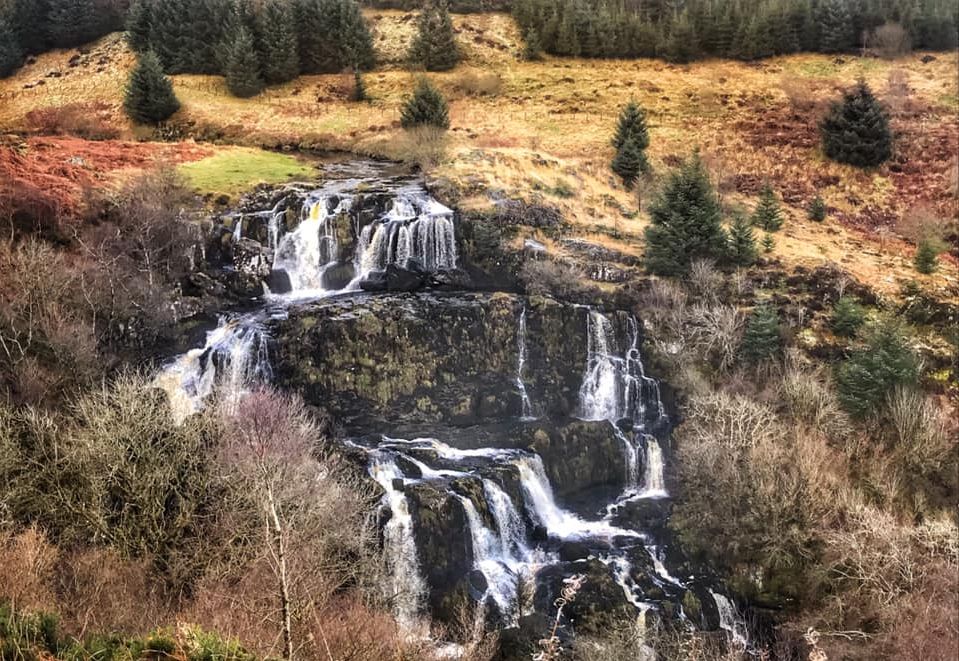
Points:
(869, 375)
(278, 43)
(149, 93)
(426, 106)
(768, 242)
(817, 209)
(927, 256)
(742, 243)
(847, 317)
(856, 131)
(761, 341)
(629, 163)
(631, 124)
(685, 222)
(532, 46)
(434, 47)
(10, 54)
(768, 214)
(242, 68)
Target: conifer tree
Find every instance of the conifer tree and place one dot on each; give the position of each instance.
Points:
(761, 341)
(358, 93)
(425, 107)
(927, 256)
(149, 93)
(847, 317)
(10, 54)
(567, 41)
(817, 209)
(835, 26)
(632, 124)
(434, 47)
(742, 243)
(856, 131)
(870, 374)
(685, 222)
(278, 43)
(681, 45)
(768, 242)
(28, 21)
(354, 41)
(629, 162)
(768, 215)
(139, 19)
(72, 22)
(532, 46)
(242, 70)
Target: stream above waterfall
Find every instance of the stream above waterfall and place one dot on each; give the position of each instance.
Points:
(515, 440)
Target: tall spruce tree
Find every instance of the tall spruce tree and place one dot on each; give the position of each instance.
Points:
(761, 341)
(869, 375)
(631, 124)
(629, 162)
(149, 93)
(685, 222)
(856, 131)
(139, 20)
(768, 215)
(434, 47)
(72, 22)
(742, 243)
(10, 54)
(243, 77)
(278, 43)
(425, 107)
(835, 26)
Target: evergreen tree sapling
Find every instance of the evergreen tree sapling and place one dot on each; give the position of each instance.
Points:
(869, 375)
(632, 123)
(358, 92)
(856, 131)
(927, 255)
(242, 68)
(742, 243)
(532, 46)
(817, 209)
(426, 106)
(149, 93)
(434, 47)
(768, 242)
(761, 341)
(629, 162)
(847, 317)
(768, 214)
(685, 222)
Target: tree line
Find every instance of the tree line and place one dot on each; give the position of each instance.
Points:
(30, 27)
(745, 29)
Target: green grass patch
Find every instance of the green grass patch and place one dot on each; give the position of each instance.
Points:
(236, 170)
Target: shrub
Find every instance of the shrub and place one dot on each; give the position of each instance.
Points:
(532, 46)
(847, 317)
(927, 255)
(856, 131)
(869, 375)
(817, 209)
(358, 91)
(422, 146)
(426, 107)
(631, 125)
(477, 83)
(889, 40)
(90, 121)
(761, 341)
(149, 93)
(543, 277)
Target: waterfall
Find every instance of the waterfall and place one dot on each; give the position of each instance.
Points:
(654, 485)
(599, 396)
(730, 621)
(407, 588)
(527, 407)
(306, 252)
(631, 455)
(234, 358)
(509, 523)
(489, 559)
(416, 227)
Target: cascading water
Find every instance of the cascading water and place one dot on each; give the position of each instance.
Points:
(407, 588)
(654, 484)
(730, 621)
(417, 227)
(308, 251)
(526, 406)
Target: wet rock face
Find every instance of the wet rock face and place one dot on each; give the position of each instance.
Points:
(440, 358)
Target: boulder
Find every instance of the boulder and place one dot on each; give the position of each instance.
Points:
(250, 259)
(338, 276)
(279, 282)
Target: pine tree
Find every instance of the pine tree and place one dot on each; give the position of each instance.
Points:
(847, 317)
(685, 222)
(10, 54)
(856, 131)
(28, 21)
(567, 41)
(532, 47)
(278, 43)
(761, 340)
(426, 106)
(768, 215)
(742, 243)
(817, 209)
(768, 242)
(243, 67)
(927, 256)
(629, 162)
(835, 26)
(149, 93)
(434, 47)
(139, 18)
(354, 41)
(682, 45)
(869, 375)
(632, 124)
(72, 22)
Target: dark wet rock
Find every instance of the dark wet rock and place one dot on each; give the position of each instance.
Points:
(452, 280)
(374, 282)
(279, 282)
(338, 276)
(579, 456)
(199, 283)
(250, 259)
(573, 550)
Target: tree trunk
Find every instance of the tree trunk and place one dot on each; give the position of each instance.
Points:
(284, 582)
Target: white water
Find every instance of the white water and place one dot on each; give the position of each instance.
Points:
(407, 589)
(308, 251)
(730, 620)
(234, 358)
(416, 227)
(527, 407)
(600, 394)
(654, 484)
